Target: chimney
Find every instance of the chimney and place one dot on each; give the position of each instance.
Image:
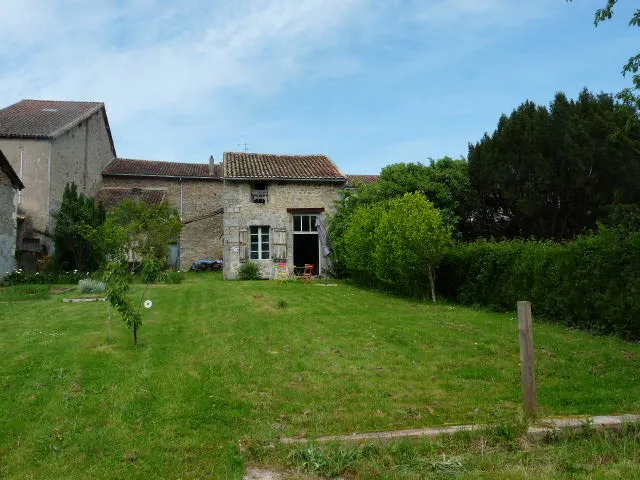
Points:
(212, 165)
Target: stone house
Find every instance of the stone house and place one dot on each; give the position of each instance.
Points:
(275, 210)
(193, 189)
(266, 208)
(49, 144)
(10, 184)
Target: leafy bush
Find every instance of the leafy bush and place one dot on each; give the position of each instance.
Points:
(152, 270)
(171, 277)
(88, 285)
(396, 243)
(19, 277)
(249, 271)
(590, 283)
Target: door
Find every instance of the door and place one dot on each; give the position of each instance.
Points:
(306, 250)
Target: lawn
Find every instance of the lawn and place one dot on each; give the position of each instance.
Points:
(222, 365)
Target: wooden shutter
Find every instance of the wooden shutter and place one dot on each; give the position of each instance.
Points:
(279, 241)
(242, 244)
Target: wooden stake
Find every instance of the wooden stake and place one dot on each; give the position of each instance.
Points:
(526, 358)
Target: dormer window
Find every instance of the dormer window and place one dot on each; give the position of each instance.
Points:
(259, 193)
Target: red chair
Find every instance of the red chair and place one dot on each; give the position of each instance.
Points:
(309, 269)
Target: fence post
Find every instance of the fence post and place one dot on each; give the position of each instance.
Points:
(526, 358)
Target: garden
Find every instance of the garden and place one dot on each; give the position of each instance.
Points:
(222, 370)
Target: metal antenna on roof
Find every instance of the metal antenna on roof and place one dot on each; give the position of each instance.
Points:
(246, 145)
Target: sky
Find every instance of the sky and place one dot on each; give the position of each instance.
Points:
(367, 82)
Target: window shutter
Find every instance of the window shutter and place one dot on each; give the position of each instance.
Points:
(242, 244)
(279, 236)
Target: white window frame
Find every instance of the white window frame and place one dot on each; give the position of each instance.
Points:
(262, 247)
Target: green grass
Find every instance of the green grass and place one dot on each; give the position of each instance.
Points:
(223, 364)
(501, 452)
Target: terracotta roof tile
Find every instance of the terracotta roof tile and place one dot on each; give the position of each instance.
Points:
(353, 180)
(265, 166)
(43, 118)
(149, 168)
(110, 197)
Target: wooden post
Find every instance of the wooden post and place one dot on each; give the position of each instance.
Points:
(526, 358)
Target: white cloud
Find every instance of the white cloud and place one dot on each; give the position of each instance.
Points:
(177, 66)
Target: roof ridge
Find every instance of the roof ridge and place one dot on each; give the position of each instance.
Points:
(59, 101)
(281, 154)
(68, 126)
(159, 161)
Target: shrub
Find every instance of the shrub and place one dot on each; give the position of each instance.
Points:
(151, 270)
(590, 283)
(171, 277)
(396, 244)
(249, 271)
(88, 285)
(282, 304)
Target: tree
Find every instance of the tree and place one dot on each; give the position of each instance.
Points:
(76, 212)
(410, 241)
(552, 173)
(358, 242)
(133, 233)
(630, 96)
(444, 182)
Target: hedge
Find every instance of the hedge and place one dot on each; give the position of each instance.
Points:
(591, 283)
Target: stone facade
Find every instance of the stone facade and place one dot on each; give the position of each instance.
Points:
(8, 207)
(193, 198)
(284, 199)
(47, 165)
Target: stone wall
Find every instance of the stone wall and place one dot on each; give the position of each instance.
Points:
(201, 239)
(241, 213)
(79, 155)
(36, 156)
(8, 205)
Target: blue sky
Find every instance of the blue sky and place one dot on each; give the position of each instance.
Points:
(368, 82)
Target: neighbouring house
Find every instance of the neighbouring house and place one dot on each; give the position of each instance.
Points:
(10, 185)
(276, 209)
(50, 144)
(193, 189)
(353, 181)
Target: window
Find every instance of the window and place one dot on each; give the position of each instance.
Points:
(306, 223)
(259, 239)
(259, 193)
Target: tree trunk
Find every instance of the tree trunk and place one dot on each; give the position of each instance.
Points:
(135, 335)
(432, 283)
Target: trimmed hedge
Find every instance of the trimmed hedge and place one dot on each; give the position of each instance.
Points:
(591, 283)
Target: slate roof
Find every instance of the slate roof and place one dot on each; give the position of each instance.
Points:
(263, 166)
(6, 167)
(47, 119)
(353, 180)
(149, 168)
(110, 197)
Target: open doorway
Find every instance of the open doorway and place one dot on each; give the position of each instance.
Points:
(306, 248)
(306, 251)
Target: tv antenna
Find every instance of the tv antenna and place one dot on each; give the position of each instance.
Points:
(245, 145)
